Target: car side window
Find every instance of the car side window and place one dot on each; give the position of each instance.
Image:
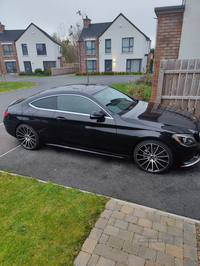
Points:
(46, 103)
(76, 104)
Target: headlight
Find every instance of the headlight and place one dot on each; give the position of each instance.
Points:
(185, 139)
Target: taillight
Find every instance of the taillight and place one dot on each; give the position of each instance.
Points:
(6, 114)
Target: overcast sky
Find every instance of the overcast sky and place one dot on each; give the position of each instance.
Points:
(49, 14)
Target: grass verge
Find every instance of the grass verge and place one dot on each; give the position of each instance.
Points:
(43, 223)
(15, 85)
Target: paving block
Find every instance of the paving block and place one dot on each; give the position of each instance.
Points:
(105, 262)
(96, 233)
(131, 219)
(93, 260)
(120, 264)
(178, 241)
(101, 223)
(135, 261)
(89, 245)
(111, 221)
(189, 239)
(174, 251)
(117, 207)
(188, 262)
(111, 230)
(140, 213)
(141, 240)
(153, 217)
(157, 246)
(131, 248)
(167, 221)
(119, 256)
(178, 262)
(102, 250)
(147, 253)
(121, 224)
(118, 215)
(135, 228)
(127, 209)
(165, 259)
(106, 214)
(145, 222)
(104, 238)
(167, 238)
(179, 224)
(150, 233)
(115, 242)
(175, 231)
(190, 252)
(82, 259)
(110, 205)
(189, 228)
(125, 235)
(160, 227)
(152, 263)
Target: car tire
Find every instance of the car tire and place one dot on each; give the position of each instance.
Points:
(153, 156)
(27, 137)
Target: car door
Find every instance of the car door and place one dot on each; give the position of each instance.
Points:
(74, 127)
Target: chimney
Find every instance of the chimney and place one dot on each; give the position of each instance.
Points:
(2, 28)
(86, 22)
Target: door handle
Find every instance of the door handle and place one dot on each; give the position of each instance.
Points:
(61, 118)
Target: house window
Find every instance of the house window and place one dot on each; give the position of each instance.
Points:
(90, 47)
(41, 49)
(11, 67)
(91, 65)
(24, 49)
(127, 45)
(7, 48)
(133, 65)
(108, 46)
(48, 64)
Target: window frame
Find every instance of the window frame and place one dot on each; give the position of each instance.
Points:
(92, 49)
(10, 51)
(13, 68)
(93, 69)
(107, 47)
(128, 69)
(41, 51)
(24, 49)
(129, 47)
(46, 62)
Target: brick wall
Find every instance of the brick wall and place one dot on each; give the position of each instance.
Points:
(11, 57)
(83, 56)
(167, 42)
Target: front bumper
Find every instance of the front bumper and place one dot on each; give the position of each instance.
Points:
(193, 161)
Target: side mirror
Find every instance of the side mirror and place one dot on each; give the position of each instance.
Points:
(99, 115)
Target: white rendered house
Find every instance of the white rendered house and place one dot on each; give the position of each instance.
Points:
(36, 49)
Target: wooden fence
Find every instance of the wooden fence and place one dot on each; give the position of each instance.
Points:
(179, 84)
(73, 68)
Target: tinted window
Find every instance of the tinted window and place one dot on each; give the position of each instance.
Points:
(76, 104)
(46, 103)
(116, 101)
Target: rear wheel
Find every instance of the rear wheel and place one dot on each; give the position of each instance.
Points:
(153, 156)
(27, 137)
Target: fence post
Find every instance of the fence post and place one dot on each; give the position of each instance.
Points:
(160, 85)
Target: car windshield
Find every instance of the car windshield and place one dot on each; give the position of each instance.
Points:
(116, 101)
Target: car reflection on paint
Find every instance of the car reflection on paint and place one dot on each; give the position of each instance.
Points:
(101, 119)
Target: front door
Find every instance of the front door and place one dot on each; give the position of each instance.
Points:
(27, 67)
(108, 65)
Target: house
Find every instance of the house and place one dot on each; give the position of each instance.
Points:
(113, 46)
(178, 35)
(27, 50)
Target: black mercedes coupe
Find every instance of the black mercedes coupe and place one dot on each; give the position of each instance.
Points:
(103, 120)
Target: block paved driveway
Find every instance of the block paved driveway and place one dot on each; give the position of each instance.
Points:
(176, 191)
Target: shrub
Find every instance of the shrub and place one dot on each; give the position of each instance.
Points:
(47, 72)
(109, 72)
(38, 71)
(139, 91)
(78, 73)
(22, 73)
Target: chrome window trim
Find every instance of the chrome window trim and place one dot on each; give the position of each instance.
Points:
(54, 110)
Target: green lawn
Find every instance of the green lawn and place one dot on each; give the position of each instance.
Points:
(15, 85)
(43, 223)
(120, 86)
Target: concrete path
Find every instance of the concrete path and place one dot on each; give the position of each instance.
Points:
(127, 234)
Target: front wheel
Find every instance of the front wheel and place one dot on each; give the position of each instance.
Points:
(153, 156)
(27, 137)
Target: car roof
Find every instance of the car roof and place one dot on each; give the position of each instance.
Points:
(80, 88)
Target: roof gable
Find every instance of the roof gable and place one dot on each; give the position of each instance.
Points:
(46, 34)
